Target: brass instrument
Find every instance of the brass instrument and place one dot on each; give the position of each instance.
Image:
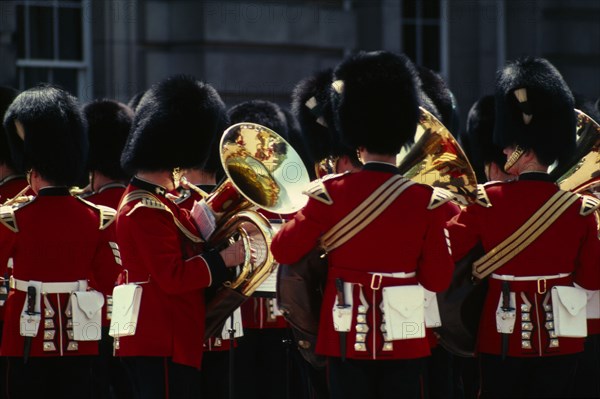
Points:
(20, 197)
(263, 171)
(436, 159)
(584, 172)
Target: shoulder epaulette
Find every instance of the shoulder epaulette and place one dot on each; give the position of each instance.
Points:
(482, 197)
(439, 196)
(147, 200)
(588, 205)
(107, 214)
(7, 212)
(317, 190)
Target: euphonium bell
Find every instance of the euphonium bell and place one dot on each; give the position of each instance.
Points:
(263, 171)
(436, 159)
(583, 173)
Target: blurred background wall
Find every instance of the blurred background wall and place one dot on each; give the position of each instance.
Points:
(260, 49)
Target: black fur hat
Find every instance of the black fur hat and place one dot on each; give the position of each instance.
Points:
(297, 141)
(541, 118)
(264, 113)
(135, 100)
(7, 95)
(375, 101)
(174, 126)
(109, 123)
(481, 149)
(438, 91)
(55, 141)
(311, 104)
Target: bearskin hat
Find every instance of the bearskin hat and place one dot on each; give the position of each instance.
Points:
(297, 142)
(174, 125)
(264, 113)
(109, 123)
(438, 91)
(135, 100)
(481, 149)
(534, 109)
(55, 141)
(375, 102)
(311, 104)
(7, 95)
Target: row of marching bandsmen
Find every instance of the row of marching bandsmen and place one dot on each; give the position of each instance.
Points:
(133, 223)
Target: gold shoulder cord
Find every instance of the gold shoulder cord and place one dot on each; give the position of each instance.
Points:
(525, 235)
(148, 200)
(365, 213)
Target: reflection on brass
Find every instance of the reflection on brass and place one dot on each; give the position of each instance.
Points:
(436, 159)
(583, 172)
(263, 171)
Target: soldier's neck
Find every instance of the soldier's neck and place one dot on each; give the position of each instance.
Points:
(161, 178)
(198, 177)
(99, 180)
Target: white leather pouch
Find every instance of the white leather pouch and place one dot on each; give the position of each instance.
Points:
(593, 304)
(237, 325)
(568, 305)
(592, 308)
(86, 308)
(404, 312)
(505, 319)
(342, 315)
(432, 311)
(126, 307)
(30, 323)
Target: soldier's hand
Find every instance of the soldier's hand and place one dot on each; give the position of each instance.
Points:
(235, 254)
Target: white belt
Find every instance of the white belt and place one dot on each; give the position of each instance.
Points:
(50, 288)
(507, 277)
(396, 275)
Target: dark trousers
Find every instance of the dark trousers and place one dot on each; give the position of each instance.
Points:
(268, 365)
(587, 377)
(44, 377)
(381, 379)
(520, 377)
(159, 377)
(438, 377)
(110, 378)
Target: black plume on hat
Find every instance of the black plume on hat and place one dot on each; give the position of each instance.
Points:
(264, 113)
(7, 95)
(109, 123)
(296, 140)
(174, 125)
(375, 101)
(534, 109)
(438, 91)
(481, 149)
(55, 140)
(135, 100)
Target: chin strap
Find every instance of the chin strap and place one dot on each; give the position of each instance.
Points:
(514, 157)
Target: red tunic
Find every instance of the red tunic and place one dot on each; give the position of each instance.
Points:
(107, 195)
(569, 245)
(155, 249)
(406, 237)
(10, 186)
(54, 238)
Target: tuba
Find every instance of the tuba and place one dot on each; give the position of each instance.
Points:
(583, 173)
(263, 171)
(436, 159)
